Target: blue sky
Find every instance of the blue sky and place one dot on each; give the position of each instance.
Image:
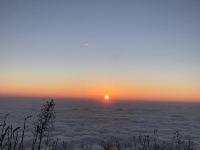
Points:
(109, 39)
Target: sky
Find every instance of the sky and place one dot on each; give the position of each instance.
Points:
(129, 49)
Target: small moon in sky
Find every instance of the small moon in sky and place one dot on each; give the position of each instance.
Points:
(86, 44)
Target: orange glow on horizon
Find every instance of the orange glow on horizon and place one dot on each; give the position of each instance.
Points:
(134, 94)
(138, 91)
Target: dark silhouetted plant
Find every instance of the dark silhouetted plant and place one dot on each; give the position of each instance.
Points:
(43, 125)
(21, 146)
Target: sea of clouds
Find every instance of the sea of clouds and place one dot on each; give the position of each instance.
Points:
(94, 121)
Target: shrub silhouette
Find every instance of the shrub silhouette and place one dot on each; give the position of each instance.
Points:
(44, 125)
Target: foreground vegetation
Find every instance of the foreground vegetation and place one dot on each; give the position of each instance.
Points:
(13, 138)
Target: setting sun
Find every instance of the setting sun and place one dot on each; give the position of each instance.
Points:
(106, 97)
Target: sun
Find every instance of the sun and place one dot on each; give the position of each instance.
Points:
(106, 97)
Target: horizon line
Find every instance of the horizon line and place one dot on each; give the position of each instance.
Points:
(101, 99)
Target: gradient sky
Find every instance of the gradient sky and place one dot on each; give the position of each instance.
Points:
(131, 49)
